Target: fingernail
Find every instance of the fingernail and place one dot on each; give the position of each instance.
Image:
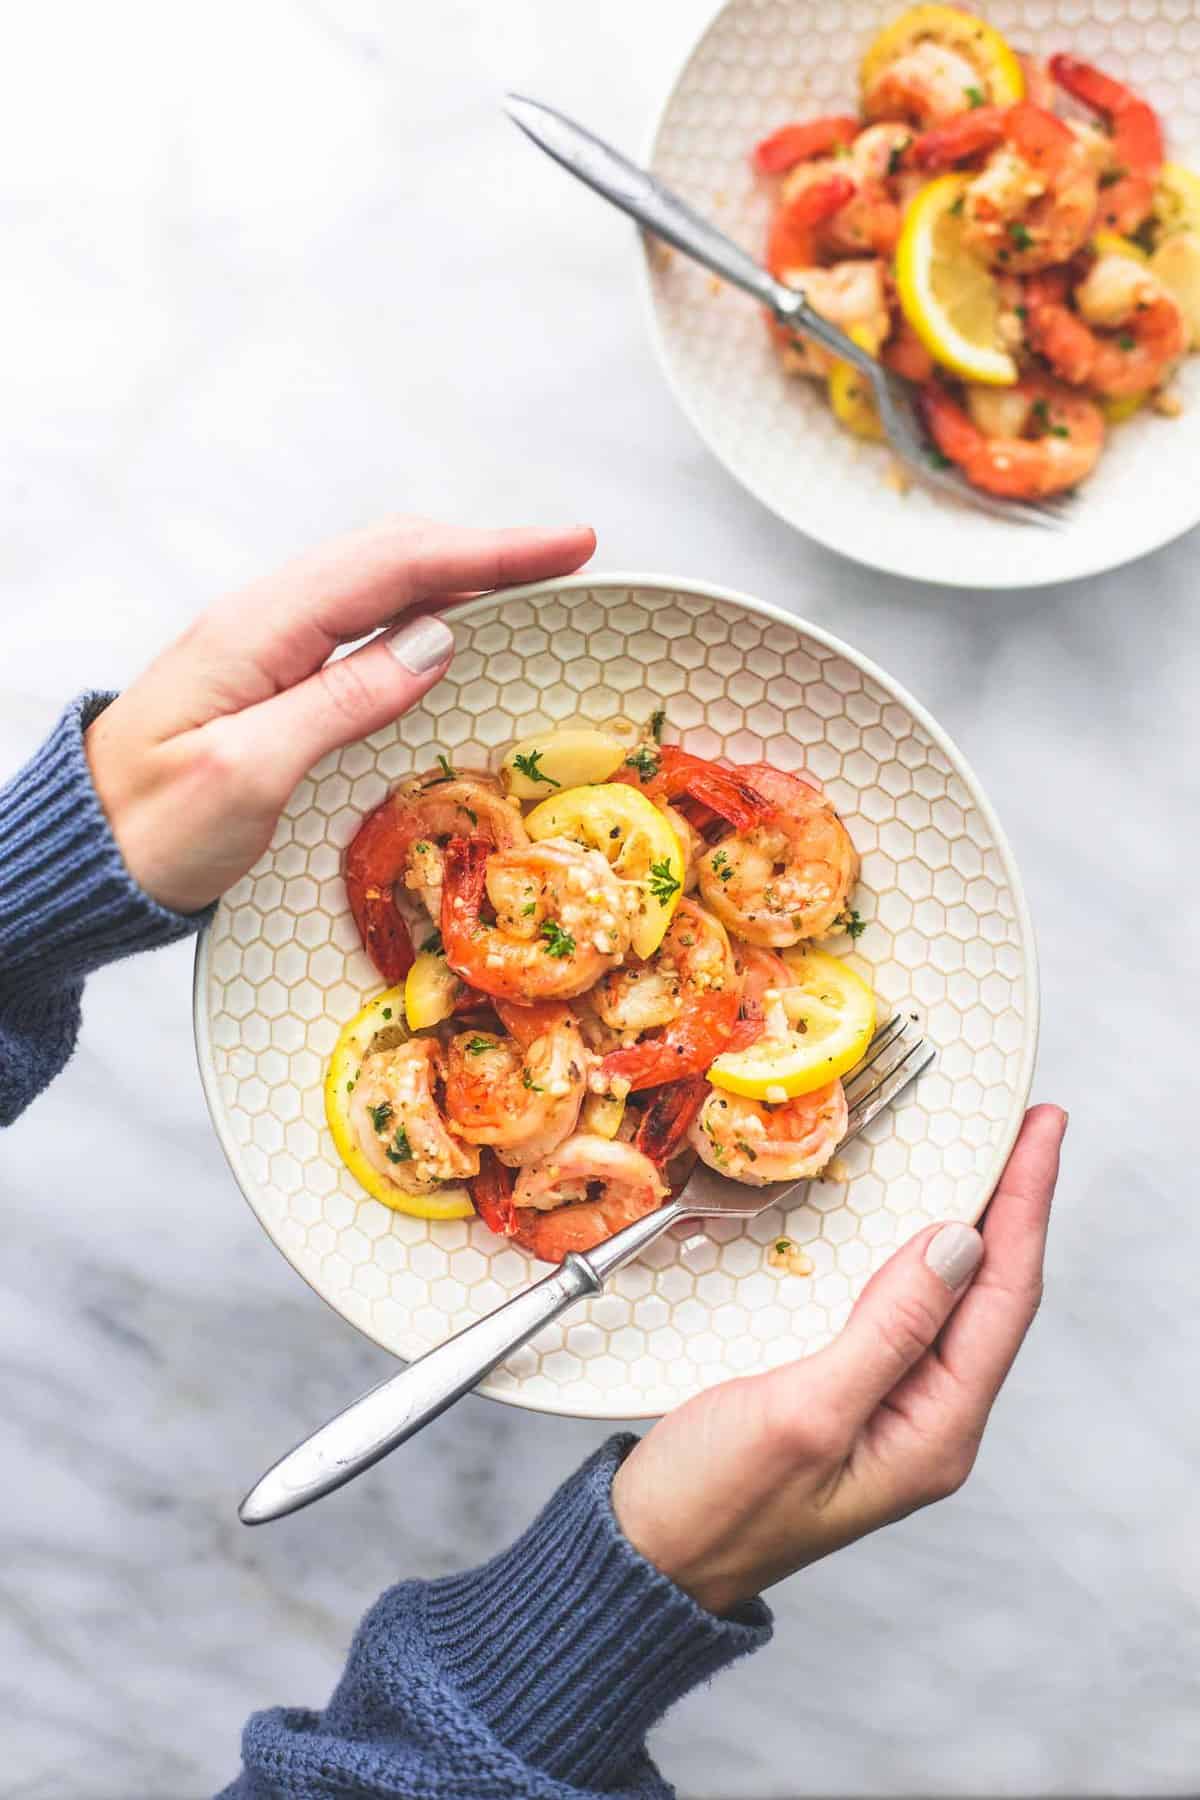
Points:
(421, 645)
(954, 1254)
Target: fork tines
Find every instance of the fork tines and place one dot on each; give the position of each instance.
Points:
(896, 1055)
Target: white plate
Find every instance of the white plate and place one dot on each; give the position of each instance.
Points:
(281, 970)
(763, 62)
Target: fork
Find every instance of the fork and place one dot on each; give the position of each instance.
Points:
(401, 1405)
(645, 198)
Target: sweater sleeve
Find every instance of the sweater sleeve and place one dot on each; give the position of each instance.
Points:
(68, 905)
(534, 1677)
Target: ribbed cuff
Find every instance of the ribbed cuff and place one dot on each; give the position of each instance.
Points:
(570, 1645)
(68, 904)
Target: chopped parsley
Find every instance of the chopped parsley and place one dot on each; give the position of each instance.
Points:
(743, 1146)
(528, 765)
(421, 849)
(1021, 236)
(558, 942)
(937, 458)
(433, 945)
(1022, 313)
(477, 1045)
(956, 209)
(1126, 341)
(531, 1085)
(449, 773)
(381, 1116)
(1059, 431)
(386, 1013)
(644, 761)
(1110, 177)
(720, 866)
(851, 922)
(529, 907)
(782, 1246)
(474, 817)
(975, 97)
(662, 883)
(657, 720)
(399, 1150)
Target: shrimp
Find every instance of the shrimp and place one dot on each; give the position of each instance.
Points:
(1135, 147)
(792, 237)
(1142, 327)
(669, 773)
(562, 918)
(793, 144)
(788, 878)
(869, 219)
(400, 845)
(1034, 201)
(586, 1190)
(755, 1143)
(686, 995)
(399, 1122)
(663, 1128)
(520, 1093)
(925, 86)
(852, 295)
(1059, 441)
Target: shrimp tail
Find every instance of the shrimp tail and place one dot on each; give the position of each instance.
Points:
(1137, 132)
(967, 135)
(791, 241)
(668, 1118)
(725, 792)
(491, 1190)
(384, 934)
(792, 144)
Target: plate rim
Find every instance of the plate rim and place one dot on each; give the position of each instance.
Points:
(999, 583)
(620, 579)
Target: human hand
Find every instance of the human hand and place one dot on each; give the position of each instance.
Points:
(761, 1476)
(194, 762)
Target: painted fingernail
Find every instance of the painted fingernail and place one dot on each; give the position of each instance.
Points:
(421, 645)
(954, 1254)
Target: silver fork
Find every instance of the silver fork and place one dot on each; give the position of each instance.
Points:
(662, 212)
(400, 1405)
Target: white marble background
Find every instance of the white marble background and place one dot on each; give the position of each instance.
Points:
(273, 269)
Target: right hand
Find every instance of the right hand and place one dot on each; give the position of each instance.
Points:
(761, 1476)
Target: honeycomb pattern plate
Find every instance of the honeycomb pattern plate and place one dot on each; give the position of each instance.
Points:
(763, 62)
(281, 970)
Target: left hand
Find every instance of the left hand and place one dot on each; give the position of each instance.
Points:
(194, 762)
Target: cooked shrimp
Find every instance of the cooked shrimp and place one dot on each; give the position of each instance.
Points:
(926, 85)
(1059, 441)
(399, 1122)
(669, 773)
(586, 1190)
(852, 295)
(793, 144)
(869, 218)
(788, 878)
(792, 238)
(1034, 201)
(755, 1143)
(686, 996)
(520, 1092)
(664, 1125)
(1123, 338)
(562, 918)
(1135, 144)
(400, 845)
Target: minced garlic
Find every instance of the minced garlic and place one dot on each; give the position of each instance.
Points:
(783, 1254)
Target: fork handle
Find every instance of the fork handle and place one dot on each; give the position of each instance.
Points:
(388, 1414)
(661, 211)
(396, 1408)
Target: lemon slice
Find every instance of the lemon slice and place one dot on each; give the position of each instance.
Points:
(1119, 407)
(1176, 200)
(831, 1014)
(430, 989)
(1176, 262)
(1111, 243)
(635, 837)
(381, 1018)
(949, 297)
(850, 393)
(982, 46)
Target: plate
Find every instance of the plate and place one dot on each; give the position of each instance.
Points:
(763, 62)
(280, 970)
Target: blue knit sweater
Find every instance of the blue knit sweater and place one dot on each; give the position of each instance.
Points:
(537, 1675)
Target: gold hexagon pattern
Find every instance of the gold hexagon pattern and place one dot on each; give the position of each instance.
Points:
(761, 63)
(281, 970)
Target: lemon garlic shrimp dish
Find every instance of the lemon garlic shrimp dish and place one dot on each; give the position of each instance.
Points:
(602, 961)
(1003, 230)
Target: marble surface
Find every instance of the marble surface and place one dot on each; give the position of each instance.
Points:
(273, 270)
